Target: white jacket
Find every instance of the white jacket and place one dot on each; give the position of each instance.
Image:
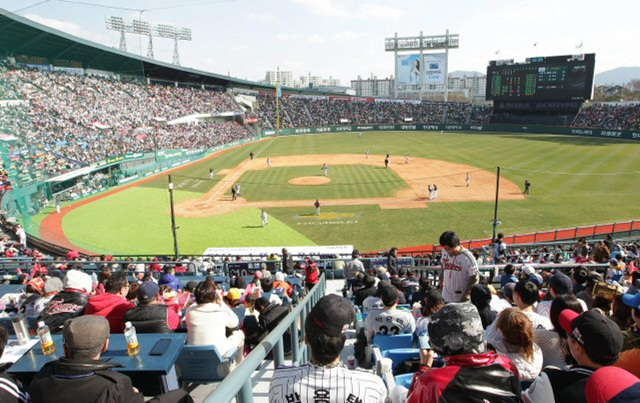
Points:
(207, 323)
(528, 370)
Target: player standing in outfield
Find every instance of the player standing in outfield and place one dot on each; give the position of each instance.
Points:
(459, 269)
(366, 153)
(237, 186)
(468, 179)
(386, 161)
(265, 218)
(58, 206)
(317, 206)
(527, 186)
(430, 192)
(212, 174)
(234, 194)
(406, 159)
(268, 162)
(251, 155)
(359, 134)
(435, 191)
(325, 378)
(325, 169)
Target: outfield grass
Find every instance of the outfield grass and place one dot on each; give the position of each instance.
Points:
(575, 181)
(347, 182)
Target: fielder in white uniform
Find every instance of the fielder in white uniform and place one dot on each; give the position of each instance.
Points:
(265, 219)
(325, 378)
(325, 169)
(459, 269)
(468, 179)
(268, 162)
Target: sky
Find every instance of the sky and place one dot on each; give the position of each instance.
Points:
(345, 38)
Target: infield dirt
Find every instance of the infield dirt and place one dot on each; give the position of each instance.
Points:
(418, 174)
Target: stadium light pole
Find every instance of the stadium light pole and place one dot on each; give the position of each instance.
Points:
(173, 222)
(495, 211)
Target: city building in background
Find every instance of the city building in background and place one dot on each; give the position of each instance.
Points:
(373, 87)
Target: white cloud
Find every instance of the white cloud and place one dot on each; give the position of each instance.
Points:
(266, 17)
(286, 37)
(332, 8)
(68, 27)
(348, 35)
(324, 7)
(317, 39)
(379, 11)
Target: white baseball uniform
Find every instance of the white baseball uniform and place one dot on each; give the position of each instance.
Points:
(457, 270)
(311, 384)
(371, 303)
(265, 219)
(389, 322)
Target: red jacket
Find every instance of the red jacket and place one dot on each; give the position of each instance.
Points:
(312, 272)
(477, 377)
(112, 307)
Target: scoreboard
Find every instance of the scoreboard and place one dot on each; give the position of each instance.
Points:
(556, 78)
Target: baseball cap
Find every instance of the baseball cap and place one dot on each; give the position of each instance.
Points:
(332, 315)
(234, 294)
(279, 276)
(148, 291)
(632, 300)
(257, 274)
(536, 279)
(508, 290)
(87, 332)
(457, 329)
(37, 283)
(528, 270)
(561, 283)
(53, 284)
(614, 261)
(612, 385)
(599, 335)
(480, 295)
(78, 280)
(389, 295)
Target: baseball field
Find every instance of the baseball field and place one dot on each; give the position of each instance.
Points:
(575, 181)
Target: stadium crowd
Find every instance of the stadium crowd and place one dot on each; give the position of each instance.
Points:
(606, 116)
(69, 121)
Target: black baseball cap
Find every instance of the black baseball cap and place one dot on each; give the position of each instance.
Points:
(389, 295)
(561, 283)
(332, 315)
(599, 335)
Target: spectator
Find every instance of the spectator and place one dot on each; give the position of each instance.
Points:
(233, 298)
(208, 319)
(369, 289)
(517, 343)
(374, 301)
(35, 288)
(52, 286)
(611, 385)
(632, 335)
(352, 267)
(432, 303)
(587, 293)
(325, 334)
(594, 341)
(392, 260)
(81, 373)
(113, 303)
(281, 284)
(267, 291)
(580, 277)
(287, 262)
(389, 320)
(11, 390)
(471, 369)
(559, 284)
(270, 316)
(621, 313)
(169, 278)
(553, 343)
(508, 276)
(69, 303)
(151, 315)
(459, 269)
(481, 299)
(312, 273)
(424, 285)
(397, 282)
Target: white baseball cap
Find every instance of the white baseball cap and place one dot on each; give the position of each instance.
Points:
(528, 270)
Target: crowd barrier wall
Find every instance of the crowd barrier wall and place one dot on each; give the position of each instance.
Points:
(488, 128)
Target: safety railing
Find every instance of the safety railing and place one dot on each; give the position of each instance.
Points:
(238, 383)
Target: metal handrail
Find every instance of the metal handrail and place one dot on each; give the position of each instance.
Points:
(238, 383)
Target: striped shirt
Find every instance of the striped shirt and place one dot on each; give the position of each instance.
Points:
(457, 270)
(11, 390)
(311, 384)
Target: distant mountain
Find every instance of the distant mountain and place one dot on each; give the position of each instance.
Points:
(618, 76)
(461, 73)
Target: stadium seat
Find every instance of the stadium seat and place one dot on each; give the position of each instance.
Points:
(404, 380)
(392, 342)
(400, 355)
(240, 312)
(204, 364)
(6, 323)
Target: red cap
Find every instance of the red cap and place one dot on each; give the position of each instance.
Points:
(37, 283)
(612, 384)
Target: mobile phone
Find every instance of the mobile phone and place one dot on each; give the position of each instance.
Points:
(160, 347)
(424, 342)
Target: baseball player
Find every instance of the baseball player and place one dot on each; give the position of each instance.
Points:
(435, 191)
(459, 269)
(527, 186)
(268, 162)
(325, 378)
(317, 206)
(386, 161)
(212, 174)
(251, 155)
(325, 169)
(366, 153)
(234, 194)
(468, 179)
(359, 134)
(237, 188)
(406, 159)
(430, 192)
(58, 206)
(265, 219)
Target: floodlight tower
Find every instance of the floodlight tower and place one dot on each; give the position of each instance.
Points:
(119, 24)
(144, 28)
(175, 33)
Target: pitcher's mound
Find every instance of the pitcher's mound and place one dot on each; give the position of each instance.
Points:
(309, 180)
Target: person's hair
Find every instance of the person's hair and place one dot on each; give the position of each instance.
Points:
(168, 269)
(500, 235)
(206, 292)
(104, 274)
(621, 313)
(528, 292)
(33, 290)
(267, 284)
(430, 309)
(635, 276)
(191, 286)
(165, 288)
(261, 304)
(324, 349)
(116, 282)
(241, 283)
(4, 337)
(450, 239)
(402, 272)
(250, 299)
(517, 330)
(559, 304)
(132, 295)
(424, 283)
(509, 269)
(602, 304)
(369, 281)
(580, 275)
(482, 279)
(397, 282)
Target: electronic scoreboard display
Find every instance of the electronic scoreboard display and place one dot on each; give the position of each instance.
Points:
(556, 78)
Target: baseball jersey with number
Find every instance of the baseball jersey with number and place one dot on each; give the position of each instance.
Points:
(389, 321)
(370, 303)
(311, 384)
(457, 270)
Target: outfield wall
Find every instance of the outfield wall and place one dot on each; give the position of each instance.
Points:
(490, 128)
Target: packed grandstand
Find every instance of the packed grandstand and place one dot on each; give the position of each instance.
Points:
(534, 322)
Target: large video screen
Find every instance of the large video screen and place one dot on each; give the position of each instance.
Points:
(557, 78)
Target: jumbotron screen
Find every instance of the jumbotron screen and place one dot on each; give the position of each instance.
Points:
(556, 78)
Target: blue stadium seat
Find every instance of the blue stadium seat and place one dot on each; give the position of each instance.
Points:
(204, 364)
(404, 380)
(6, 323)
(400, 355)
(391, 342)
(240, 312)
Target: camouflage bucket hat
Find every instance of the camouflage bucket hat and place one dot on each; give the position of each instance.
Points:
(457, 329)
